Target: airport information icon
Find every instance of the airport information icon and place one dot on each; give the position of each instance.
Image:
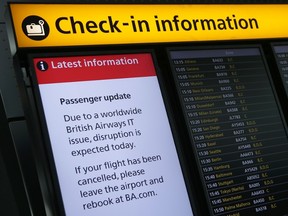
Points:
(36, 30)
(35, 27)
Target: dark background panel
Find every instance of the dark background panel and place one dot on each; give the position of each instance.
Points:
(13, 199)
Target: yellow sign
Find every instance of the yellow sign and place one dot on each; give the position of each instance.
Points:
(46, 25)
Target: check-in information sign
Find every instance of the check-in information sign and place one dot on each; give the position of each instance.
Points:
(110, 136)
(46, 25)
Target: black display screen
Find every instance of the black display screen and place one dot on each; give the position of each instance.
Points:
(236, 129)
(281, 55)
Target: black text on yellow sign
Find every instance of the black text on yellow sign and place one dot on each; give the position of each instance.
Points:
(175, 24)
(39, 25)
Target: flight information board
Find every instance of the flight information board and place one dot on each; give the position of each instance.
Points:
(281, 55)
(236, 129)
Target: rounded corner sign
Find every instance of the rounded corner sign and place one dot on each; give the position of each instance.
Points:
(48, 25)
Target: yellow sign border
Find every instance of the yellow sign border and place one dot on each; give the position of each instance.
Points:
(100, 24)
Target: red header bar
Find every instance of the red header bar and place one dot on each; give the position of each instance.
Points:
(99, 67)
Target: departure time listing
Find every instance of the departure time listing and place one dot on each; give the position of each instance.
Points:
(236, 129)
(281, 55)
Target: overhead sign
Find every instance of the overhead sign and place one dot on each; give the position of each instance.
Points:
(46, 25)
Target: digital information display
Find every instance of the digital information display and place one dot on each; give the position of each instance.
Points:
(110, 136)
(281, 55)
(236, 129)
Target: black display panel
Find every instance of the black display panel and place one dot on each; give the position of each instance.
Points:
(281, 56)
(236, 129)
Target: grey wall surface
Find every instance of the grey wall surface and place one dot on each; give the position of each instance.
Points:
(10, 108)
(13, 193)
